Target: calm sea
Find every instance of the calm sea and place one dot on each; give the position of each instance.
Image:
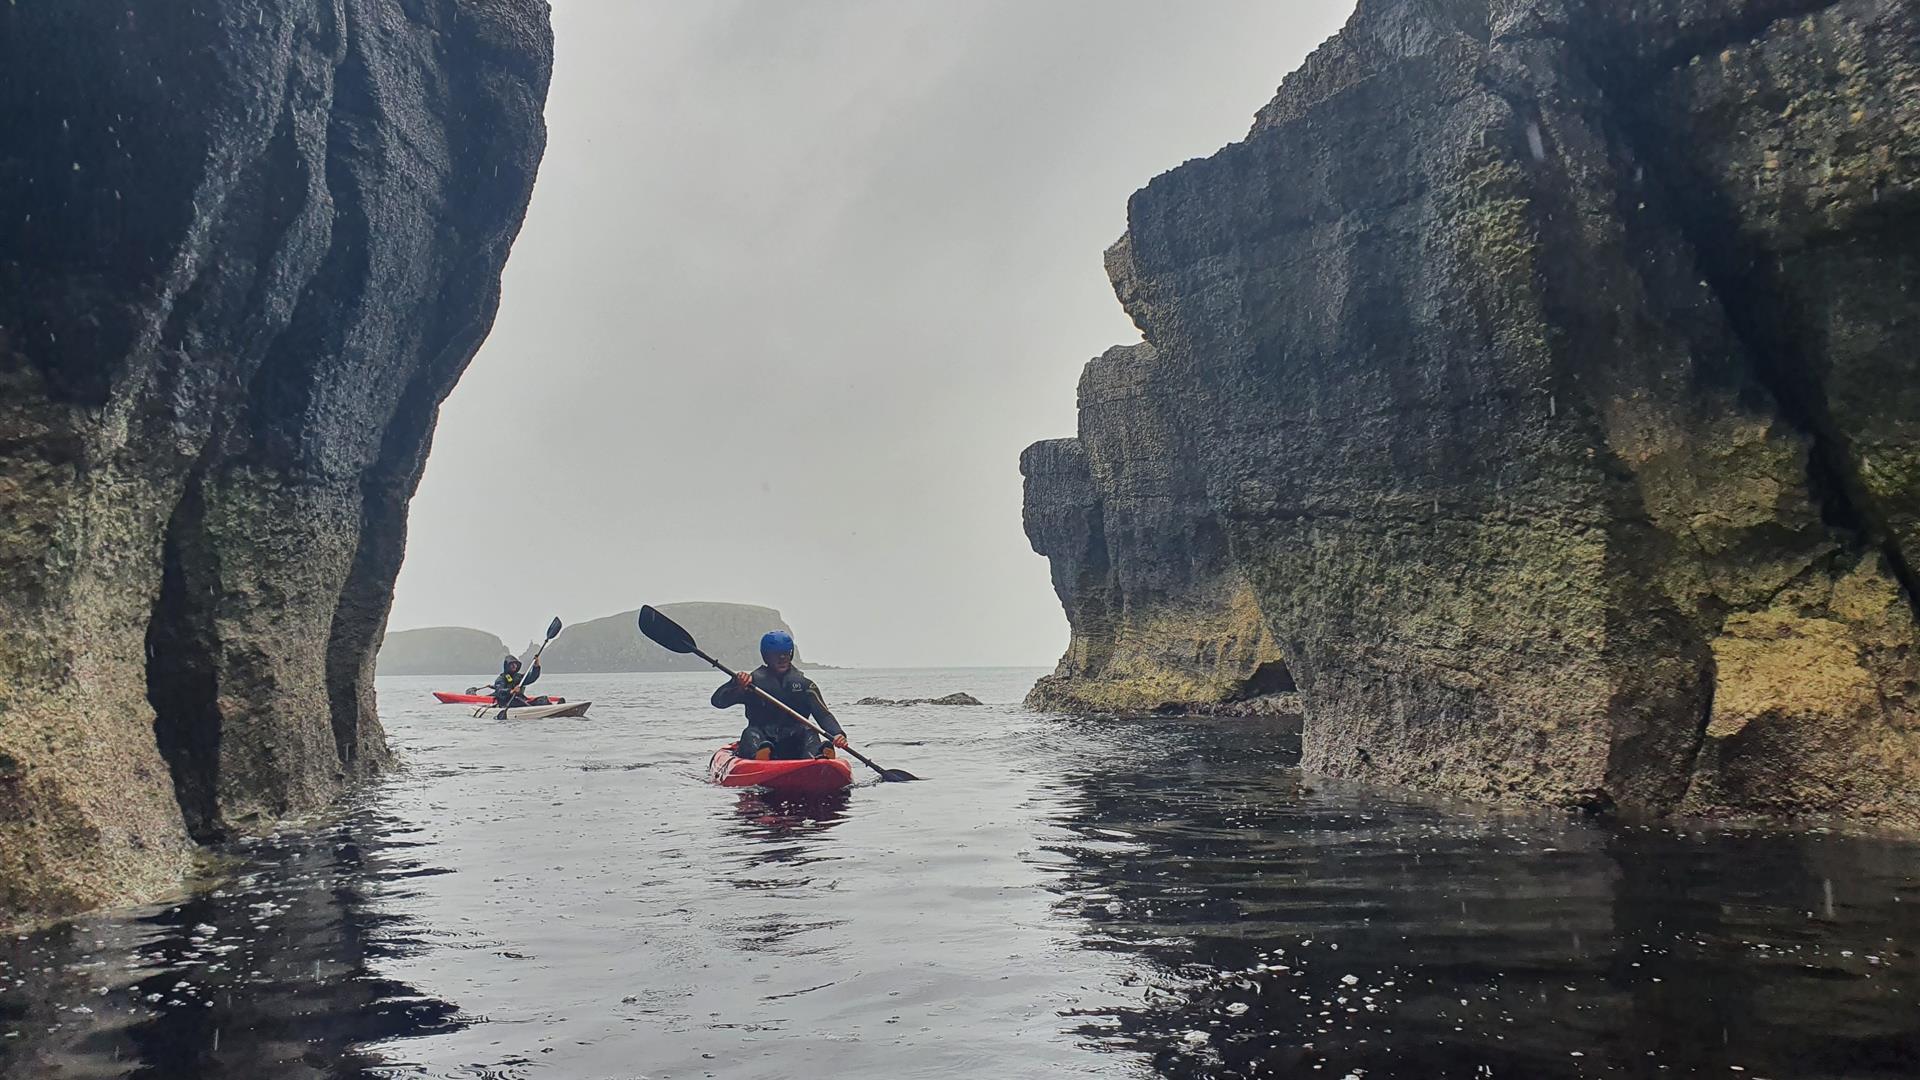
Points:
(1062, 897)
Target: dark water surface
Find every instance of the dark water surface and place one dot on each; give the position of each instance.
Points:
(570, 899)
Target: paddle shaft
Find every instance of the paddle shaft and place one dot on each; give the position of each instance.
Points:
(790, 711)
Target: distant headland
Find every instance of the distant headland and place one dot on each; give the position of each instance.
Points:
(731, 632)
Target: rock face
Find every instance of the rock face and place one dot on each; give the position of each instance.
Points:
(466, 655)
(247, 249)
(730, 633)
(1535, 388)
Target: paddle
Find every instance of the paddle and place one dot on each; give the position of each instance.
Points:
(553, 631)
(673, 637)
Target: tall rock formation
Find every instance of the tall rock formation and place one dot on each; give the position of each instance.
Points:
(246, 251)
(1536, 383)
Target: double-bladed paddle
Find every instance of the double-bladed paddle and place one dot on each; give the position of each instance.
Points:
(673, 637)
(553, 631)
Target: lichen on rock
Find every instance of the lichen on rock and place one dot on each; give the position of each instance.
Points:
(1529, 385)
(248, 250)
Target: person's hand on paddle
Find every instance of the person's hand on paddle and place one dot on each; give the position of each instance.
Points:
(745, 680)
(840, 741)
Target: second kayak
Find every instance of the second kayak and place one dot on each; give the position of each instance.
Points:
(534, 712)
(806, 776)
(449, 698)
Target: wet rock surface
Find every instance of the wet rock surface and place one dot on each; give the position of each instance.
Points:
(1527, 390)
(247, 251)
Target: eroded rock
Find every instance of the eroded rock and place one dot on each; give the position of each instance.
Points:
(1540, 367)
(246, 251)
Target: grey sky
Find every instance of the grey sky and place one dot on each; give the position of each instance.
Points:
(799, 281)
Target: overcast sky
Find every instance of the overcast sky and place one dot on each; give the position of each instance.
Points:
(799, 282)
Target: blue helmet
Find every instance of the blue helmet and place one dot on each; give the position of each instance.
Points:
(775, 641)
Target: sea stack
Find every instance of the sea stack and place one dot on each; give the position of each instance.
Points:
(247, 250)
(1535, 388)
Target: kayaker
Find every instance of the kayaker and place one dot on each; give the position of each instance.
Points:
(510, 690)
(771, 734)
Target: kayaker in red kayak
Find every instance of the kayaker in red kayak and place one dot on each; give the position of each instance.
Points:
(772, 734)
(510, 690)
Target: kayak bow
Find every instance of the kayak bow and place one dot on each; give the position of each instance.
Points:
(447, 698)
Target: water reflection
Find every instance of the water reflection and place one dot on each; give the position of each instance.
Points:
(770, 814)
(1283, 927)
(268, 976)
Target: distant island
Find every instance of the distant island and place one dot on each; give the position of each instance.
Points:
(473, 655)
(729, 632)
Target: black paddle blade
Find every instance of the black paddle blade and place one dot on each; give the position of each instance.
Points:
(553, 628)
(665, 633)
(895, 776)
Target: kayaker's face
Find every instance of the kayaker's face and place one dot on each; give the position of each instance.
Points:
(779, 663)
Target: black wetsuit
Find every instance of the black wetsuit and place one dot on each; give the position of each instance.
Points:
(511, 689)
(767, 725)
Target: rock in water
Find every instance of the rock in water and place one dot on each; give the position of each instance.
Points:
(1535, 388)
(961, 698)
(245, 252)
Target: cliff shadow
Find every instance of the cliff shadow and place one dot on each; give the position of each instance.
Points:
(183, 678)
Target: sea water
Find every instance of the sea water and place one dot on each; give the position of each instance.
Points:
(1061, 897)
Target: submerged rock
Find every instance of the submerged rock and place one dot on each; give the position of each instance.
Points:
(950, 699)
(246, 251)
(1533, 389)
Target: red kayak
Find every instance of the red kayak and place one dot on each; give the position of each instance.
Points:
(807, 776)
(476, 699)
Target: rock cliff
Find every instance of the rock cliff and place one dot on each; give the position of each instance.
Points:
(247, 250)
(1534, 387)
(730, 633)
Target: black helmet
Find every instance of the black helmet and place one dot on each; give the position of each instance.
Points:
(510, 663)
